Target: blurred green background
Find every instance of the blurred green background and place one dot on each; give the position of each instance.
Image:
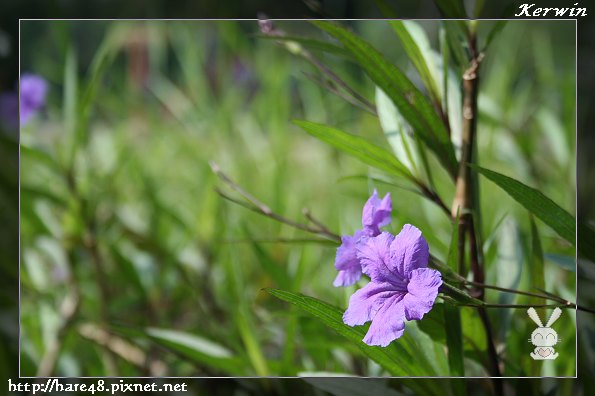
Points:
(124, 236)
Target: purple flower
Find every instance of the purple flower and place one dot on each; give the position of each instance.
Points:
(376, 214)
(401, 288)
(33, 91)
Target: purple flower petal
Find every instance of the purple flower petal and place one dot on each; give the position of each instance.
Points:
(346, 261)
(365, 302)
(421, 292)
(375, 258)
(376, 213)
(388, 324)
(409, 251)
(348, 277)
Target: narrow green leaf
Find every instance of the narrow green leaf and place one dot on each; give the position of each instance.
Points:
(356, 146)
(456, 43)
(535, 202)
(418, 49)
(536, 263)
(413, 105)
(397, 131)
(454, 341)
(197, 349)
(251, 343)
(394, 358)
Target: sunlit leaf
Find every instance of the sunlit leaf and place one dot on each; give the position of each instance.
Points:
(418, 49)
(195, 348)
(356, 146)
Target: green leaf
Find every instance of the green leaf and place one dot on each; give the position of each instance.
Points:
(413, 105)
(418, 49)
(454, 341)
(198, 349)
(397, 131)
(535, 202)
(536, 263)
(356, 146)
(456, 43)
(395, 358)
(251, 343)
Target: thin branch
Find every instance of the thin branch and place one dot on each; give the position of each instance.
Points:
(259, 207)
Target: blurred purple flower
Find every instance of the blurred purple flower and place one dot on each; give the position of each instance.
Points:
(401, 288)
(33, 91)
(376, 214)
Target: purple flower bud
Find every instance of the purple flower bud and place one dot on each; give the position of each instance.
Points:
(376, 214)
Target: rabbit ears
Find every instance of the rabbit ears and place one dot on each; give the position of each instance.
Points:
(553, 317)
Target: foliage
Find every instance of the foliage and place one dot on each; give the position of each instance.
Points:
(121, 222)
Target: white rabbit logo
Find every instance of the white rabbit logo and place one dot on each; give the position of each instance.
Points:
(544, 337)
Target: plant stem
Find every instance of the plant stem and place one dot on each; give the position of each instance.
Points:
(463, 201)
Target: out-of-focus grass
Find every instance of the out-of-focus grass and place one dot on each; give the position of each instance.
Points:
(118, 199)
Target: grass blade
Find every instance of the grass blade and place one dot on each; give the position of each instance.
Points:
(357, 147)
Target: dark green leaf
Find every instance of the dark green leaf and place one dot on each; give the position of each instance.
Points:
(356, 146)
(535, 202)
(412, 104)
